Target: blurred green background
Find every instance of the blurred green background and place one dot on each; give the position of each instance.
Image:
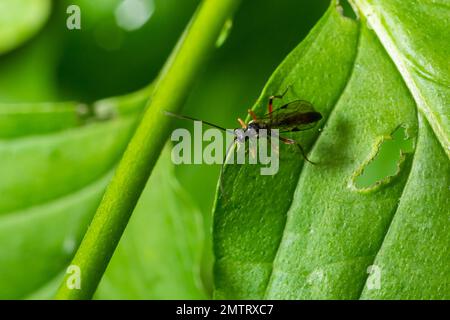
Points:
(104, 60)
(112, 56)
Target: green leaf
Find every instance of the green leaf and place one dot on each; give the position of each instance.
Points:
(55, 162)
(415, 37)
(20, 20)
(308, 231)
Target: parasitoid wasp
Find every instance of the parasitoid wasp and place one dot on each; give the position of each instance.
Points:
(298, 115)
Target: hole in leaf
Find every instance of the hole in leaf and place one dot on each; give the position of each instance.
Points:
(387, 161)
(346, 10)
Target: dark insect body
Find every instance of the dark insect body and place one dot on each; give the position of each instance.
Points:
(298, 115)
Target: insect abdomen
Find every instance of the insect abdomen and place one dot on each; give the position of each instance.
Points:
(303, 118)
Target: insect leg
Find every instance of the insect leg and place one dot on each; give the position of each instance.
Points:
(291, 141)
(242, 123)
(274, 148)
(252, 152)
(229, 149)
(304, 153)
(252, 114)
(280, 96)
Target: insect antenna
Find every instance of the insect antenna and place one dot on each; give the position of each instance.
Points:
(179, 116)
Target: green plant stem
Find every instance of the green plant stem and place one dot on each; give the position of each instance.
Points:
(121, 196)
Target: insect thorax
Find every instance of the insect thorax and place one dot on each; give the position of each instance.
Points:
(252, 125)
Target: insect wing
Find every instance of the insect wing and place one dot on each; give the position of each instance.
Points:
(298, 115)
